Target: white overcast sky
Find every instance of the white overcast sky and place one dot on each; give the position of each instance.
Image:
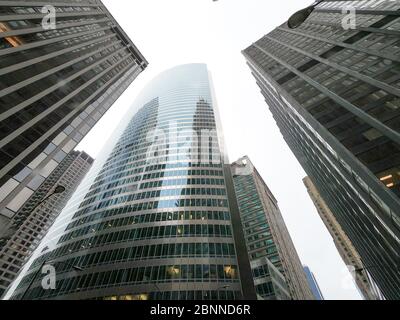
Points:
(173, 32)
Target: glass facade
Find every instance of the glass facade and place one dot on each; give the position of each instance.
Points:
(334, 93)
(35, 220)
(276, 267)
(269, 282)
(156, 222)
(343, 244)
(55, 84)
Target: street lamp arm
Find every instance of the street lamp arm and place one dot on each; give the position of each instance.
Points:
(58, 189)
(300, 16)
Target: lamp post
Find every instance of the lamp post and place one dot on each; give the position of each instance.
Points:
(300, 16)
(57, 190)
(77, 268)
(16, 223)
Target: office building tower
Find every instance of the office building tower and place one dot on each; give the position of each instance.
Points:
(36, 217)
(345, 248)
(334, 93)
(277, 270)
(159, 220)
(57, 78)
(313, 284)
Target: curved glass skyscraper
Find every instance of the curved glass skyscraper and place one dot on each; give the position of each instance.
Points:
(159, 220)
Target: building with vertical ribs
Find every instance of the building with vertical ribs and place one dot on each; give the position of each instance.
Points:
(343, 244)
(335, 95)
(55, 84)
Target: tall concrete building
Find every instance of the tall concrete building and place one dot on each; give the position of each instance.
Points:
(277, 270)
(57, 78)
(35, 220)
(160, 219)
(313, 284)
(345, 248)
(334, 93)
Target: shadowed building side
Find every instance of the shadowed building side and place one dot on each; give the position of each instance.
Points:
(334, 93)
(55, 85)
(343, 244)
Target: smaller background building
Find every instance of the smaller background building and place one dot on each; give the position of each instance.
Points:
(35, 218)
(313, 284)
(277, 270)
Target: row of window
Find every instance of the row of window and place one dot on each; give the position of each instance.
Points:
(162, 204)
(132, 151)
(40, 127)
(156, 251)
(131, 235)
(142, 275)
(151, 217)
(142, 166)
(265, 289)
(259, 240)
(177, 182)
(158, 167)
(267, 245)
(182, 121)
(162, 118)
(122, 222)
(59, 9)
(181, 295)
(157, 193)
(139, 140)
(108, 183)
(261, 271)
(156, 232)
(115, 181)
(191, 172)
(139, 166)
(159, 140)
(153, 184)
(385, 152)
